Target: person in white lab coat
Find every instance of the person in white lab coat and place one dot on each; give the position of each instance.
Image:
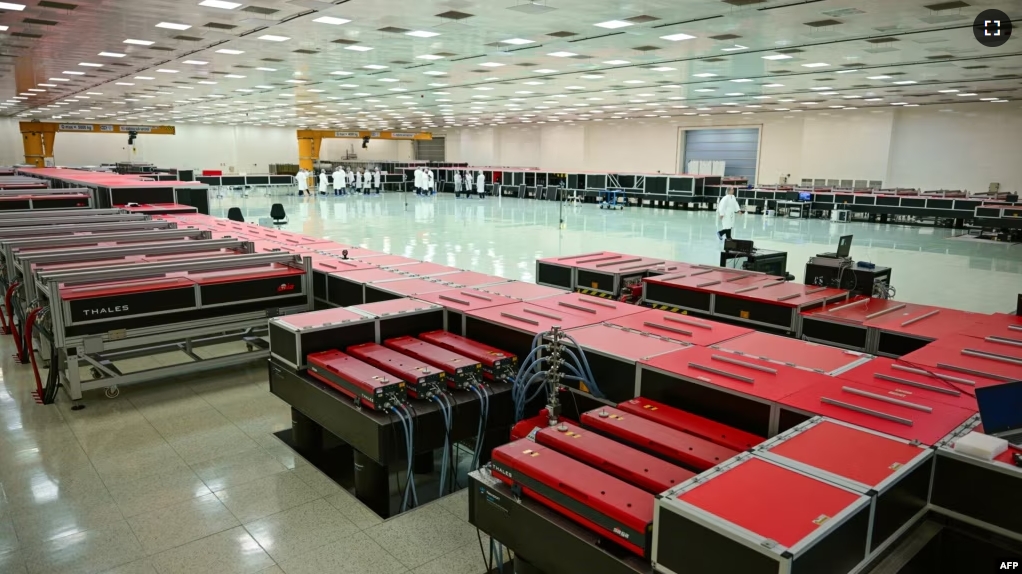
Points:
(358, 180)
(367, 181)
(726, 210)
(457, 184)
(339, 181)
(303, 181)
(351, 178)
(481, 185)
(376, 181)
(418, 181)
(430, 182)
(324, 182)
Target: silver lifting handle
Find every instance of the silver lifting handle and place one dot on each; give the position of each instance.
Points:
(722, 373)
(875, 396)
(901, 381)
(865, 411)
(724, 359)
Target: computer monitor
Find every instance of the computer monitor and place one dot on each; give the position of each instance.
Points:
(805, 196)
(844, 246)
(1000, 407)
(738, 245)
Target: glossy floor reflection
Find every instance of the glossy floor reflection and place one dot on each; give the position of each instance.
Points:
(185, 476)
(505, 236)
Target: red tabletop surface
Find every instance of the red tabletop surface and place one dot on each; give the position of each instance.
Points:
(530, 318)
(392, 307)
(413, 286)
(522, 291)
(948, 351)
(628, 345)
(792, 352)
(368, 275)
(927, 428)
(740, 282)
(921, 321)
(941, 390)
(694, 279)
(627, 264)
(780, 295)
(263, 246)
(588, 306)
(469, 279)
(771, 501)
(328, 264)
(465, 299)
(424, 269)
(313, 319)
(766, 385)
(388, 260)
(158, 208)
(996, 325)
(864, 457)
(851, 311)
(354, 252)
(571, 260)
(702, 332)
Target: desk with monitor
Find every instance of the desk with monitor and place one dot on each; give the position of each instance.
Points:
(742, 254)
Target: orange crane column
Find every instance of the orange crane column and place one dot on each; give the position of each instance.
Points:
(38, 147)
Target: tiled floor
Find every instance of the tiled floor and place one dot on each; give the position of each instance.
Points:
(185, 476)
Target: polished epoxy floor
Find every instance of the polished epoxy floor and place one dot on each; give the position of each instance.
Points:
(184, 476)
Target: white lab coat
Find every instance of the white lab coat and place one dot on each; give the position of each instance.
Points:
(430, 181)
(324, 181)
(418, 179)
(376, 178)
(457, 182)
(303, 180)
(367, 179)
(339, 177)
(481, 184)
(726, 210)
(351, 178)
(358, 180)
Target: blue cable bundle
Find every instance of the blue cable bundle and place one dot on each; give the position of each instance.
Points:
(410, 496)
(447, 411)
(577, 365)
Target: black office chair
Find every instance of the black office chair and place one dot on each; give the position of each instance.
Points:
(277, 214)
(234, 214)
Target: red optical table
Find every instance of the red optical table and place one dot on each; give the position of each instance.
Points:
(353, 252)
(396, 289)
(560, 271)
(522, 290)
(390, 261)
(998, 325)
(469, 279)
(794, 353)
(52, 199)
(595, 308)
(692, 330)
(611, 277)
(323, 266)
(741, 392)
(425, 269)
(902, 381)
(687, 289)
(971, 358)
(158, 208)
(907, 327)
(456, 302)
(401, 317)
(760, 517)
(346, 288)
(613, 354)
(893, 472)
(844, 324)
(294, 337)
(512, 327)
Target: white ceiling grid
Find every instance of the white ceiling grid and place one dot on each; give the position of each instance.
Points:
(427, 64)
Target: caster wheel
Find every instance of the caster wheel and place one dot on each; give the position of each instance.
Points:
(112, 392)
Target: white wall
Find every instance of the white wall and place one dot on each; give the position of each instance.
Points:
(334, 149)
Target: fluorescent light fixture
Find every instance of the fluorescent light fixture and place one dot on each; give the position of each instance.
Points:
(777, 57)
(734, 48)
(634, 82)
(112, 54)
(219, 4)
(73, 73)
(267, 69)
(173, 26)
(49, 85)
(574, 88)
(873, 100)
(166, 71)
(981, 99)
(123, 84)
(852, 97)
(358, 48)
(273, 38)
(341, 73)
(705, 75)
(230, 52)
(616, 62)
(484, 88)
(706, 89)
(430, 57)
(144, 77)
(878, 78)
(491, 64)
(592, 77)
(741, 80)
(139, 42)
(264, 87)
(195, 62)
(846, 71)
(828, 93)
(815, 65)
(948, 91)
(10, 6)
(435, 73)
(965, 94)
(375, 67)
(389, 80)
(562, 54)
(821, 88)
(904, 82)
(517, 41)
(331, 20)
(206, 83)
(422, 34)
(663, 69)
(809, 103)
(677, 37)
(243, 90)
(544, 71)
(90, 65)
(735, 94)
(38, 90)
(613, 24)
(60, 79)
(234, 76)
(899, 103)
(295, 81)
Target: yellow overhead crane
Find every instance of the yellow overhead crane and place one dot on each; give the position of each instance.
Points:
(38, 136)
(309, 141)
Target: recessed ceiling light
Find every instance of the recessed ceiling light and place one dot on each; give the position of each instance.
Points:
(375, 67)
(846, 71)
(124, 84)
(544, 71)
(706, 89)
(358, 48)
(777, 57)
(965, 94)
(206, 83)
(613, 24)
(491, 64)
(822, 88)
(230, 52)
(219, 4)
(234, 76)
(873, 100)
(878, 78)
(663, 69)
(90, 65)
(815, 65)
(273, 38)
(331, 20)
(139, 42)
(677, 37)
(562, 54)
(516, 41)
(734, 48)
(422, 34)
(592, 77)
(11, 6)
(741, 80)
(904, 82)
(195, 62)
(60, 79)
(144, 77)
(112, 54)
(173, 26)
(73, 73)
(705, 75)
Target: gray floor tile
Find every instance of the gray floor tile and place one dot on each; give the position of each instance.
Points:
(456, 504)
(353, 510)
(266, 496)
(301, 529)
(232, 551)
(58, 518)
(13, 563)
(321, 483)
(421, 535)
(119, 469)
(157, 491)
(181, 523)
(237, 469)
(358, 554)
(143, 566)
(87, 552)
(465, 560)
